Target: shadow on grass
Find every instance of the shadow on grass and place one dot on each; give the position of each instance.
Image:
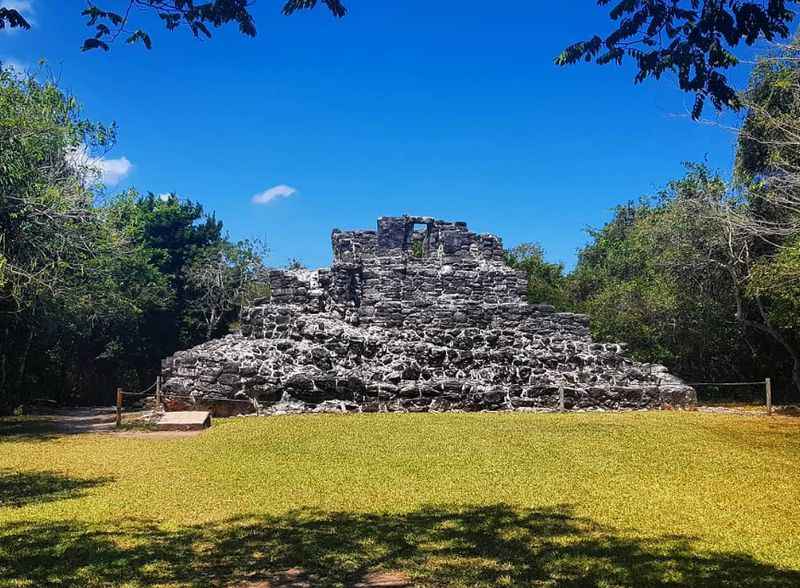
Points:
(28, 428)
(18, 489)
(57, 423)
(480, 546)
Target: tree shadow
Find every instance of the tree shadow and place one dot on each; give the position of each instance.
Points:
(18, 489)
(36, 428)
(57, 423)
(436, 546)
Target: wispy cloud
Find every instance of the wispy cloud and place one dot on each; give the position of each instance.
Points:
(106, 171)
(17, 67)
(274, 193)
(22, 6)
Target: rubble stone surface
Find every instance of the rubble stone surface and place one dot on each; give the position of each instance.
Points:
(420, 315)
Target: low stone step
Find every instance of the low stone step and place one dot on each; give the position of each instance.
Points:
(189, 420)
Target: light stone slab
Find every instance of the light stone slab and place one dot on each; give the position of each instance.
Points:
(189, 420)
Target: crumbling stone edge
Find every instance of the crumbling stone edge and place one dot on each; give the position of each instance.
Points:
(421, 315)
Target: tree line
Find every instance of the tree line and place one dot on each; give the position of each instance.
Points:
(94, 291)
(704, 276)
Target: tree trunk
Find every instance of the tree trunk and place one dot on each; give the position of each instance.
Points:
(4, 362)
(767, 328)
(796, 374)
(211, 323)
(23, 361)
(5, 393)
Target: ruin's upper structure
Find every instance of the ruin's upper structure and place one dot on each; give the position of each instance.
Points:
(421, 314)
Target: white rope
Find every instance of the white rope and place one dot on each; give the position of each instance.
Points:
(761, 383)
(248, 399)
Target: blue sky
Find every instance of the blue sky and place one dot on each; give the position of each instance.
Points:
(415, 107)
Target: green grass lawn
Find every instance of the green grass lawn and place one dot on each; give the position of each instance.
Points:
(633, 499)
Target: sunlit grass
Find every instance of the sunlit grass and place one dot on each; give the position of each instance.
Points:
(461, 499)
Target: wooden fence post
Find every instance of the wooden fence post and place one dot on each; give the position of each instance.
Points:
(768, 383)
(119, 407)
(158, 393)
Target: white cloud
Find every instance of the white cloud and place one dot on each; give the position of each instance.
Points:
(106, 171)
(164, 197)
(113, 170)
(274, 193)
(22, 6)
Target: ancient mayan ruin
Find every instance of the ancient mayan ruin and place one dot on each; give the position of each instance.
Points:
(420, 315)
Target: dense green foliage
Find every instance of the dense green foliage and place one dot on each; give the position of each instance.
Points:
(94, 293)
(686, 279)
(765, 144)
(768, 164)
(468, 500)
(692, 39)
(646, 279)
(547, 283)
(705, 275)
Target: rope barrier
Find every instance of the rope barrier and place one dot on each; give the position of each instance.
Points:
(182, 397)
(766, 382)
(160, 397)
(135, 394)
(121, 394)
(144, 392)
(761, 383)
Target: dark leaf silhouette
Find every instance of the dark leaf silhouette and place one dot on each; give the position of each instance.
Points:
(19, 489)
(690, 38)
(11, 18)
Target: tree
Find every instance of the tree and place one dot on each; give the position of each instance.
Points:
(768, 167)
(767, 144)
(45, 201)
(77, 288)
(174, 232)
(295, 264)
(735, 243)
(197, 17)
(224, 278)
(775, 279)
(105, 320)
(768, 149)
(678, 276)
(693, 39)
(681, 319)
(717, 265)
(546, 281)
(93, 292)
(46, 216)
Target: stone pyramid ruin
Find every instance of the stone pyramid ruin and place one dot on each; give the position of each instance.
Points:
(420, 315)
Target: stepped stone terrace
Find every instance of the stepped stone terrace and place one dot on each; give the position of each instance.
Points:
(418, 315)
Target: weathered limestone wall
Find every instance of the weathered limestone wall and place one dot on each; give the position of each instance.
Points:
(421, 314)
(399, 275)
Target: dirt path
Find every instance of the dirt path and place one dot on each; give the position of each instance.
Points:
(83, 420)
(74, 421)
